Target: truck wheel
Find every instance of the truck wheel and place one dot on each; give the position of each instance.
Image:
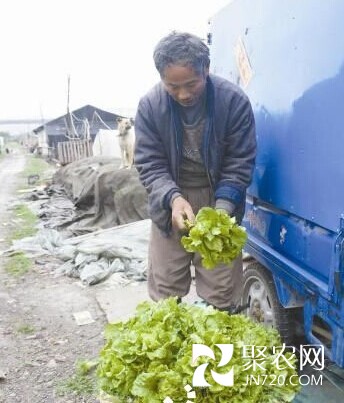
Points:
(264, 307)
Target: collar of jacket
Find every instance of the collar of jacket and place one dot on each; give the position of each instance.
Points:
(208, 127)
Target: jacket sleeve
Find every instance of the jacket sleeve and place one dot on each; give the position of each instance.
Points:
(239, 154)
(153, 167)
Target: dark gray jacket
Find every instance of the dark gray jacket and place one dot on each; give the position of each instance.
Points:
(228, 146)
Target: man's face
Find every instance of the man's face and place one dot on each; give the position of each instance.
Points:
(183, 84)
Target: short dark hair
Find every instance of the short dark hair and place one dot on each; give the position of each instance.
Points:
(181, 48)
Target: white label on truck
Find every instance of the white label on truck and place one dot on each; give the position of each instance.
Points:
(243, 63)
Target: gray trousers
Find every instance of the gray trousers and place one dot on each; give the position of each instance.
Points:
(169, 272)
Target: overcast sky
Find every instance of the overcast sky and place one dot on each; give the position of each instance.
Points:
(104, 45)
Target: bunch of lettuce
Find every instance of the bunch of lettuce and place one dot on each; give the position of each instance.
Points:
(149, 357)
(215, 236)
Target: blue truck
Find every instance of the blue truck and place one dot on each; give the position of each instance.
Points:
(288, 56)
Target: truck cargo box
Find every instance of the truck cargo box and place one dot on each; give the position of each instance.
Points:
(288, 56)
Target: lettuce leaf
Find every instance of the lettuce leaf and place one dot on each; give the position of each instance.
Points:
(215, 236)
(149, 357)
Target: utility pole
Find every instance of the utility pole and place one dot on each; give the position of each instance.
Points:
(71, 133)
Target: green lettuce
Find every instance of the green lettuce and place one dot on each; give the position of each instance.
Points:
(215, 236)
(149, 357)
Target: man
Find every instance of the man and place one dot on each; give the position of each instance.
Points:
(195, 147)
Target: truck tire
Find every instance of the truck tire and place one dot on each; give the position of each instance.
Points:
(264, 307)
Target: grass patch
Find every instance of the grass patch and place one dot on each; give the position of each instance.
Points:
(28, 221)
(82, 383)
(11, 145)
(36, 166)
(25, 220)
(25, 329)
(18, 264)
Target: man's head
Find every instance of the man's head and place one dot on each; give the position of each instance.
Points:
(182, 60)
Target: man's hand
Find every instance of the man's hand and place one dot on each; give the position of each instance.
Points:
(181, 210)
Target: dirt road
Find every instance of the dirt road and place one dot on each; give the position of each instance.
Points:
(40, 340)
(10, 166)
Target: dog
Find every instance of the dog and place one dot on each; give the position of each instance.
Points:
(126, 138)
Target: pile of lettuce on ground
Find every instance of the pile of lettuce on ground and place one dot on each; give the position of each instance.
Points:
(149, 357)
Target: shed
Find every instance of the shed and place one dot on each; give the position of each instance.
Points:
(83, 123)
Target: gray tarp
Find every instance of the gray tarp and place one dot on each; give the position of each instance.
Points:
(93, 257)
(95, 198)
(102, 195)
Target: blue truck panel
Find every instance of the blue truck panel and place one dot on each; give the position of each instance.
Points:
(289, 58)
(297, 90)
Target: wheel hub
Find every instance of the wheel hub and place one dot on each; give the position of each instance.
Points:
(256, 311)
(260, 310)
